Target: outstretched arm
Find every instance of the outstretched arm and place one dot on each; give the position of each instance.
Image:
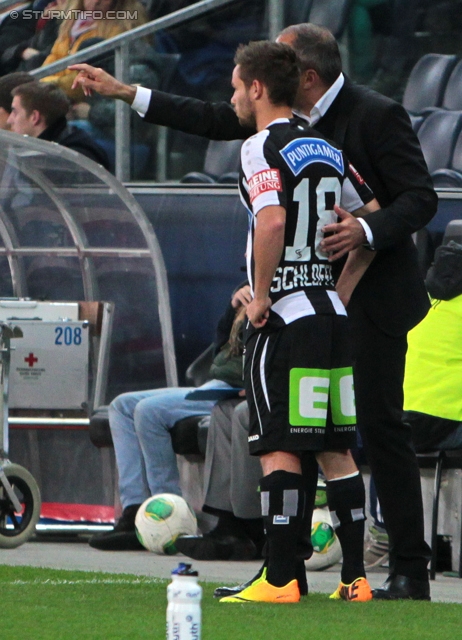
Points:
(212, 120)
(95, 79)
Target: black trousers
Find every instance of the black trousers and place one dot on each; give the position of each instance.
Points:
(379, 361)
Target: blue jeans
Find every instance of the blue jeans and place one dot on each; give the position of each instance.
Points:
(140, 424)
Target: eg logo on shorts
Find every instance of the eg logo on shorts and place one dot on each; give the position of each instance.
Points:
(310, 391)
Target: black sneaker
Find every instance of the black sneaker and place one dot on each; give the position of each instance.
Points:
(123, 537)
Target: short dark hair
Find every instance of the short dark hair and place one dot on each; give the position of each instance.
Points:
(317, 49)
(10, 82)
(45, 97)
(275, 65)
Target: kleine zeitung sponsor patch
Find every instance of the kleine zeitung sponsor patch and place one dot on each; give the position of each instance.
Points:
(356, 174)
(263, 181)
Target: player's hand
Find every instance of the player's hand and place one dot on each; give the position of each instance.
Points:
(347, 235)
(95, 79)
(258, 312)
(242, 297)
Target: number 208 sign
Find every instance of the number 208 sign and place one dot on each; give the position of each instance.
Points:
(49, 366)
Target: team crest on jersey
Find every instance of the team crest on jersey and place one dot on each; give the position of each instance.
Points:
(301, 152)
(263, 181)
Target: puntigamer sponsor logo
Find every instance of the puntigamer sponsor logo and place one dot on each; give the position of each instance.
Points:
(303, 151)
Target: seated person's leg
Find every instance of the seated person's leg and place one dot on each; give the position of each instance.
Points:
(146, 462)
(154, 416)
(376, 552)
(233, 538)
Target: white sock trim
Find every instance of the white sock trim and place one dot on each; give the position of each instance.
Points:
(350, 475)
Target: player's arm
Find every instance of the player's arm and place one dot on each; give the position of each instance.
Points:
(267, 250)
(213, 120)
(358, 259)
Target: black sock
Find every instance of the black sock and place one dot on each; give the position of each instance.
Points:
(310, 478)
(254, 530)
(346, 498)
(283, 505)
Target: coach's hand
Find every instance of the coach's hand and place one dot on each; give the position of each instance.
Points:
(347, 235)
(258, 312)
(95, 79)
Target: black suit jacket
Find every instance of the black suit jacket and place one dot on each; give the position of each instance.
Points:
(376, 135)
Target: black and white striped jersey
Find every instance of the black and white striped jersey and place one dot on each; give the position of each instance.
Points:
(291, 165)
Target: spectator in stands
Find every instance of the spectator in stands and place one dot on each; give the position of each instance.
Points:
(367, 17)
(30, 51)
(39, 110)
(207, 45)
(140, 424)
(13, 31)
(87, 30)
(7, 84)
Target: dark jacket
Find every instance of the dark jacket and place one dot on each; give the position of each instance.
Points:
(376, 135)
(12, 33)
(75, 139)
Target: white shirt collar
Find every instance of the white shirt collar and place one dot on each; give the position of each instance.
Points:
(324, 102)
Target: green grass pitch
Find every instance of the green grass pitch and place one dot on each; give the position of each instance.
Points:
(51, 604)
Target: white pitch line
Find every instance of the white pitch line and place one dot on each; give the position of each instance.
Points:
(92, 581)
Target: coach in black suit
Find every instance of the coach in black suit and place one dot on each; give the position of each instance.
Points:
(377, 136)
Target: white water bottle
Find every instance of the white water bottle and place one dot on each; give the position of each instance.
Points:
(184, 596)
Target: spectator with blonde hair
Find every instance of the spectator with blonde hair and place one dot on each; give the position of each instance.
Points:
(98, 20)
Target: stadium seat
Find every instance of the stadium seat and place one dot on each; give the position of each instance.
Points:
(416, 121)
(447, 179)
(438, 134)
(427, 81)
(451, 176)
(221, 160)
(296, 11)
(453, 232)
(332, 14)
(452, 99)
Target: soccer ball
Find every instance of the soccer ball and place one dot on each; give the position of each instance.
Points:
(326, 546)
(161, 519)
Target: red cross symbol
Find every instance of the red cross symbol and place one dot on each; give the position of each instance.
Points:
(31, 359)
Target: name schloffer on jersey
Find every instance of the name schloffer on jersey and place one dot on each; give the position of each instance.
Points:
(291, 165)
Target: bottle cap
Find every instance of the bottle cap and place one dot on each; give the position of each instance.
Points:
(184, 569)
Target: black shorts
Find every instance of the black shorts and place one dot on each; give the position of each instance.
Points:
(299, 386)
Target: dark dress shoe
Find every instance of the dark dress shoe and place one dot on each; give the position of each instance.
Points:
(116, 541)
(122, 537)
(403, 588)
(216, 547)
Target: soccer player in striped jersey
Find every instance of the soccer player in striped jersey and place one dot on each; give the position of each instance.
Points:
(298, 368)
